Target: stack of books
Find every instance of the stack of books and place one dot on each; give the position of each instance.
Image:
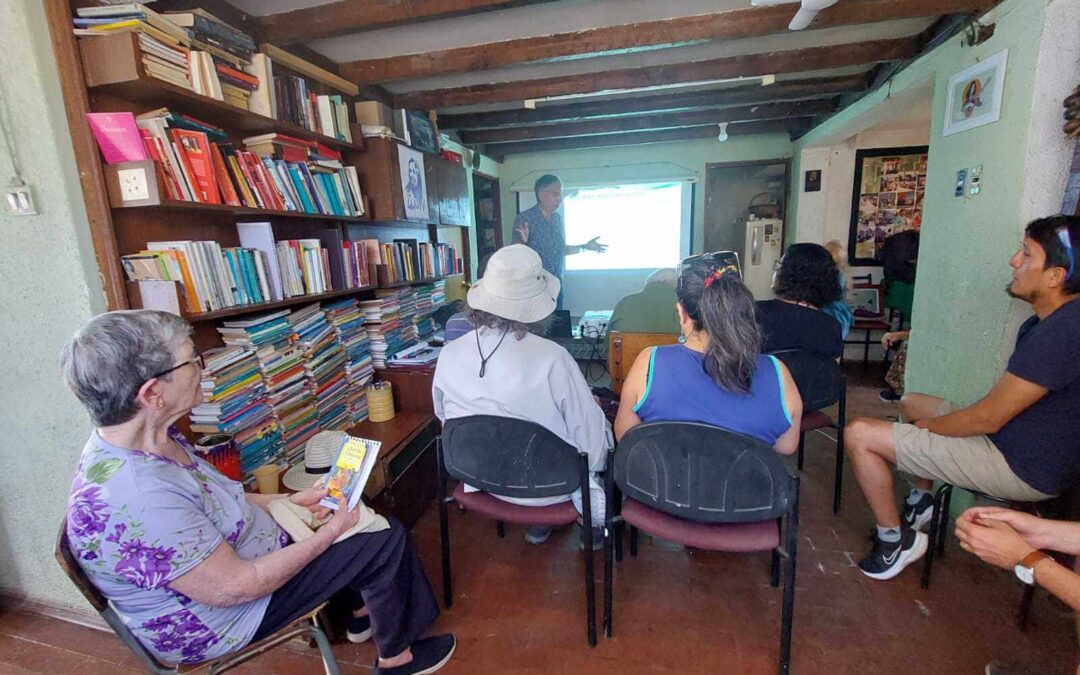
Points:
(344, 315)
(429, 297)
(406, 299)
(324, 365)
(321, 113)
(384, 327)
(210, 34)
(438, 293)
(281, 362)
(210, 277)
(164, 45)
(234, 402)
(304, 265)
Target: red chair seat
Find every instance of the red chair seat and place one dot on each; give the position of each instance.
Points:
(870, 324)
(815, 420)
(497, 509)
(732, 537)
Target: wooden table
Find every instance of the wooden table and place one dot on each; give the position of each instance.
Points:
(412, 387)
(402, 483)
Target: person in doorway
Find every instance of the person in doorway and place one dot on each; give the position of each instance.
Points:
(541, 229)
(650, 310)
(1020, 442)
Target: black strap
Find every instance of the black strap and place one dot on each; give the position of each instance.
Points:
(484, 359)
(324, 469)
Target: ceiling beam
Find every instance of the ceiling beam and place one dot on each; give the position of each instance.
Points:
(618, 125)
(729, 25)
(793, 90)
(790, 61)
(354, 16)
(642, 137)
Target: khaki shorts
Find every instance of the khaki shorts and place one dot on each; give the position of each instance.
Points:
(972, 462)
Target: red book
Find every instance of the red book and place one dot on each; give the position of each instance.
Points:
(237, 75)
(242, 161)
(163, 178)
(270, 183)
(200, 163)
(327, 152)
(228, 191)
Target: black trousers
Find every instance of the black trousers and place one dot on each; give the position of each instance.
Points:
(382, 568)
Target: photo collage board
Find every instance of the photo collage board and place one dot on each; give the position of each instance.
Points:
(889, 189)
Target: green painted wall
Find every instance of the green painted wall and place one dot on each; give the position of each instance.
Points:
(48, 286)
(663, 160)
(961, 312)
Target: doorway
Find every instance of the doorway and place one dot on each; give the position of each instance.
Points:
(736, 191)
(489, 236)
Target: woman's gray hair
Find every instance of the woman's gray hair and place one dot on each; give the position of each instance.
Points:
(481, 318)
(114, 354)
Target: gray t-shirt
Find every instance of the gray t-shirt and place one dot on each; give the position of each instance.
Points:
(137, 521)
(546, 237)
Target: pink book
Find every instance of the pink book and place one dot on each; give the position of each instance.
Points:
(117, 136)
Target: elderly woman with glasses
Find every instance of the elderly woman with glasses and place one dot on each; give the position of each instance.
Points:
(195, 566)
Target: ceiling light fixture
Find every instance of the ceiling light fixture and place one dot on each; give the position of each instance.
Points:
(722, 136)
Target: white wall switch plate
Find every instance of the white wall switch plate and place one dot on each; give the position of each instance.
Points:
(19, 201)
(133, 185)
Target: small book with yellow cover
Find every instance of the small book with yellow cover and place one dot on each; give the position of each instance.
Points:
(350, 472)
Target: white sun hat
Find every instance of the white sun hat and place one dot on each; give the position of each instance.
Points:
(320, 453)
(515, 286)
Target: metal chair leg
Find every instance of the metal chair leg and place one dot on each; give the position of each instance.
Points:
(774, 570)
(943, 529)
(788, 605)
(633, 541)
(935, 527)
(838, 480)
(799, 457)
(329, 662)
(609, 545)
(500, 529)
(444, 528)
(587, 542)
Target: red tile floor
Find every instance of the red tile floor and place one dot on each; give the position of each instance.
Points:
(520, 608)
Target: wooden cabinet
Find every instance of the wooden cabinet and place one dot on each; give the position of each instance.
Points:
(447, 186)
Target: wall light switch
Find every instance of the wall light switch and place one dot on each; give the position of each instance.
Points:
(975, 186)
(961, 183)
(19, 201)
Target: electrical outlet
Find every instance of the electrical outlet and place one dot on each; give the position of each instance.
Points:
(133, 187)
(18, 201)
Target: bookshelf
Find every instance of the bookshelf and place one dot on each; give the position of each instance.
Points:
(174, 205)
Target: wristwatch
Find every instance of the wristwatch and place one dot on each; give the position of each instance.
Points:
(1025, 569)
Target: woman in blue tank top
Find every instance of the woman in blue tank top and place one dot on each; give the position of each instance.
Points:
(718, 376)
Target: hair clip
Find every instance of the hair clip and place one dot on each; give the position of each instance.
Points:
(719, 273)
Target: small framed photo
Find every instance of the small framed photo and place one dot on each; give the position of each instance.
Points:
(866, 301)
(975, 93)
(813, 181)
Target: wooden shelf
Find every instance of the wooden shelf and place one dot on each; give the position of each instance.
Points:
(113, 67)
(174, 205)
(301, 300)
(279, 304)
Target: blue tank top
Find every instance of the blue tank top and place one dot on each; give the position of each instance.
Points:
(679, 390)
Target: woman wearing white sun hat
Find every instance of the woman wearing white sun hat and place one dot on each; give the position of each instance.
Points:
(504, 368)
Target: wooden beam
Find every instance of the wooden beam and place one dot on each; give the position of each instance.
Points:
(618, 125)
(642, 137)
(755, 93)
(790, 61)
(353, 16)
(732, 24)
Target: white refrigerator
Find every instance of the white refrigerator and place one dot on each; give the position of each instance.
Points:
(761, 250)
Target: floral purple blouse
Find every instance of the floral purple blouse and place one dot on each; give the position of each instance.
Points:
(137, 521)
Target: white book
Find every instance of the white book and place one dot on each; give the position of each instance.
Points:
(202, 284)
(262, 101)
(221, 286)
(261, 273)
(260, 236)
(234, 292)
(324, 109)
(287, 261)
(354, 186)
(341, 119)
(198, 84)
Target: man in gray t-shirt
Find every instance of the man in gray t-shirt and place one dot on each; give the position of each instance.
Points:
(541, 229)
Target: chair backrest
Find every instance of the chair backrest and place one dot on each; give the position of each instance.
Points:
(509, 457)
(703, 473)
(818, 378)
(623, 349)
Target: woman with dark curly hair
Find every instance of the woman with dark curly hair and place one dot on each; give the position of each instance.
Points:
(805, 282)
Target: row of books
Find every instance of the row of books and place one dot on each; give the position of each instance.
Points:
(410, 259)
(322, 113)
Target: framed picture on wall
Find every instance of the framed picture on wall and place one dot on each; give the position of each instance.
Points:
(413, 183)
(887, 198)
(975, 93)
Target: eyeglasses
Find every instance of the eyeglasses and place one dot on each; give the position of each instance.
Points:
(197, 359)
(1063, 237)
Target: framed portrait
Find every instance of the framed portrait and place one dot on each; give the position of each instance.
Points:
(813, 181)
(421, 132)
(975, 93)
(413, 183)
(887, 198)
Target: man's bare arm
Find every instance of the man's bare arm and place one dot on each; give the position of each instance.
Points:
(1007, 399)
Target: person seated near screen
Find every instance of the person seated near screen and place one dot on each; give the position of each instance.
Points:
(505, 369)
(650, 310)
(1020, 442)
(718, 376)
(839, 309)
(459, 324)
(806, 280)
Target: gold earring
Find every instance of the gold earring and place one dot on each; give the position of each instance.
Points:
(160, 404)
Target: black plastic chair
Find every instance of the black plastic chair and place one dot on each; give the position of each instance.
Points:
(821, 383)
(706, 488)
(514, 458)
